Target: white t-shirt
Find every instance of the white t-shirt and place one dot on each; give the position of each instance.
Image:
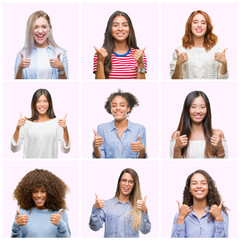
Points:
(44, 70)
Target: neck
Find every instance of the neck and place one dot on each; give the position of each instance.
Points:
(198, 42)
(42, 118)
(199, 205)
(120, 47)
(123, 198)
(196, 127)
(123, 124)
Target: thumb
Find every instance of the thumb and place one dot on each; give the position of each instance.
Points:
(95, 133)
(221, 204)
(21, 115)
(138, 137)
(178, 134)
(221, 135)
(96, 196)
(65, 116)
(96, 49)
(144, 49)
(145, 199)
(177, 52)
(22, 56)
(179, 205)
(18, 213)
(224, 51)
(58, 56)
(60, 212)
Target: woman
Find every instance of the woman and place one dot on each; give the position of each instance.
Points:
(195, 137)
(119, 57)
(120, 138)
(202, 214)
(41, 198)
(199, 56)
(42, 131)
(41, 57)
(126, 213)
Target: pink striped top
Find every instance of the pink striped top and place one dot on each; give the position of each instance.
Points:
(123, 66)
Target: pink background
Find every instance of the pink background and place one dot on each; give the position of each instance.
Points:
(173, 179)
(225, 22)
(223, 100)
(65, 22)
(101, 177)
(14, 171)
(95, 94)
(17, 97)
(94, 22)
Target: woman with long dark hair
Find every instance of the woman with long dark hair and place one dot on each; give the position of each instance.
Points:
(119, 57)
(199, 56)
(126, 213)
(202, 213)
(41, 198)
(41, 132)
(195, 137)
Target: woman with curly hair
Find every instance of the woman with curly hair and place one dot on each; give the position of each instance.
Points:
(126, 213)
(202, 213)
(199, 56)
(195, 137)
(120, 138)
(120, 57)
(42, 131)
(41, 198)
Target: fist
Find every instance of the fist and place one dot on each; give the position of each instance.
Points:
(181, 57)
(101, 53)
(21, 220)
(55, 218)
(25, 62)
(56, 62)
(137, 146)
(99, 203)
(62, 122)
(181, 141)
(98, 141)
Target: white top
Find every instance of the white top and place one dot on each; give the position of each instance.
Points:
(44, 70)
(201, 64)
(40, 139)
(196, 148)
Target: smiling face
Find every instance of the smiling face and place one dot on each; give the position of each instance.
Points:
(199, 26)
(41, 31)
(119, 108)
(198, 110)
(198, 187)
(42, 105)
(126, 185)
(39, 197)
(120, 29)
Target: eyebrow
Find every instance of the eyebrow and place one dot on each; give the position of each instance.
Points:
(119, 22)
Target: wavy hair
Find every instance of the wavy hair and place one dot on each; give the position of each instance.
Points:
(210, 39)
(56, 190)
(213, 196)
(109, 41)
(134, 196)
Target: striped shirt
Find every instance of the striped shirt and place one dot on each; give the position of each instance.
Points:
(123, 66)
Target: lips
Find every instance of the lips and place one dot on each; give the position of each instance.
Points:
(40, 36)
(39, 201)
(198, 30)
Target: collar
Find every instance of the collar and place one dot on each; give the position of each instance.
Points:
(122, 55)
(193, 213)
(48, 47)
(116, 201)
(129, 127)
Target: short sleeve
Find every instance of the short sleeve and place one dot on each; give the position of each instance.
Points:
(172, 144)
(173, 63)
(224, 143)
(64, 147)
(95, 63)
(17, 62)
(145, 62)
(16, 146)
(65, 62)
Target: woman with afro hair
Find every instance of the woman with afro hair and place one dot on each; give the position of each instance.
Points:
(120, 138)
(202, 214)
(41, 198)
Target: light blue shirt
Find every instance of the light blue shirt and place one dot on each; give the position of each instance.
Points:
(118, 220)
(31, 71)
(39, 225)
(203, 228)
(116, 147)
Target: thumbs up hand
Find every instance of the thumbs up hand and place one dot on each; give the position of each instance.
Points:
(181, 141)
(21, 220)
(99, 203)
(98, 141)
(21, 121)
(141, 205)
(181, 57)
(216, 141)
(138, 55)
(220, 57)
(216, 212)
(101, 53)
(25, 62)
(62, 122)
(137, 146)
(56, 218)
(56, 62)
(184, 210)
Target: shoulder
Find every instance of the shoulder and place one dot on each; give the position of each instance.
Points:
(58, 50)
(218, 132)
(175, 134)
(216, 48)
(104, 125)
(23, 211)
(136, 126)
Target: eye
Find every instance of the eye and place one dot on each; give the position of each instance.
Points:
(115, 25)
(125, 25)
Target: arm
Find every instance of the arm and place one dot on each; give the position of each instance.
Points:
(142, 153)
(221, 227)
(63, 230)
(97, 219)
(61, 63)
(145, 223)
(98, 63)
(221, 58)
(63, 137)
(63, 67)
(178, 230)
(16, 230)
(180, 142)
(18, 136)
(21, 63)
(217, 143)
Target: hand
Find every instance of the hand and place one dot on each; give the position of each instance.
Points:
(216, 141)
(21, 220)
(101, 54)
(138, 56)
(181, 141)
(220, 57)
(137, 146)
(56, 62)
(62, 122)
(99, 203)
(184, 210)
(181, 57)
(98, 141)
(21, 121)
(25, 62)
(56, 218)
(141, 205)
(216, 212)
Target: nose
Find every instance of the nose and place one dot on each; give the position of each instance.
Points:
(120, 27)
(39, 194)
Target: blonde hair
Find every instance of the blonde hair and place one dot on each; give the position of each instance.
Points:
(29, 40)
(134, 196)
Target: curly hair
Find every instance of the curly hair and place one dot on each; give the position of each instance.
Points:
(131, 100)
(210, 39)
(213, 196)
(56, 190)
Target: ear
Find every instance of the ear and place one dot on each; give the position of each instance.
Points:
(128, 109)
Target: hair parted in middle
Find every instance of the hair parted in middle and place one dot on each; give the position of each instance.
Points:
(213, 196)
(185, 124)
(210, 39)
(134, 196)
(36, 95)
(108, 43)
(131, 100)
(56, 190)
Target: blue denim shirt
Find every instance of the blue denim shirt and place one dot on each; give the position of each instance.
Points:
(115, 147)
(118, 220)
(31, 71)
(203, 228)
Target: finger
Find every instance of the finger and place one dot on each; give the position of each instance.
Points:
(21, 115)
(18, 213)
(179, 205)
(224, 51)
(144, 49)
(145, 198)
(95, 133)
(221, 204)
(65, 116)
(221, 135)
(58, 56)
(96, 49)
(138, 137)
(96, 196)
(22, 56)
(60, 212)
(177, 52)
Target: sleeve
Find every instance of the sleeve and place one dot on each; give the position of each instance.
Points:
(172, 144)
(220, 76)
(173, 63)
(178, 230)
(64, 148)
(16, 229)
(17, 62)
(221, 228)
(65, 62)
(143, 140)
(102, 148)
(224, 142)
(95, 63)
(145, 223)
(16, 146)
(145, 62)
(63, 230)
(97, 219)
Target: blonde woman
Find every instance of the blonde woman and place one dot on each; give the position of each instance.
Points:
(126, 213)
(41, 57)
